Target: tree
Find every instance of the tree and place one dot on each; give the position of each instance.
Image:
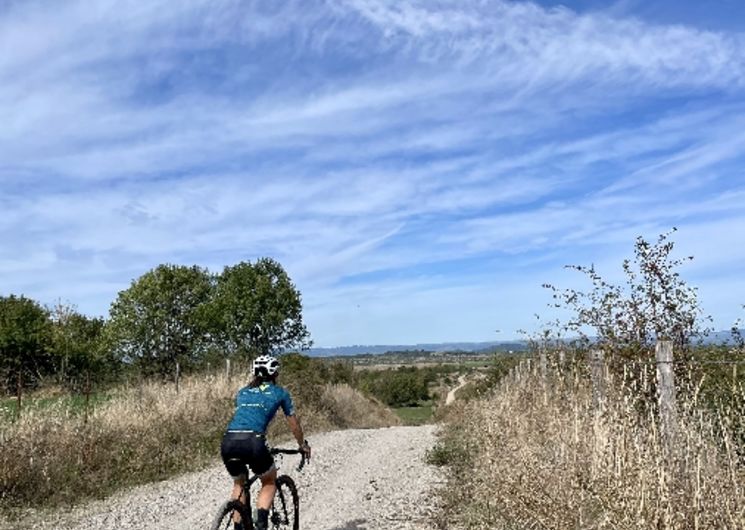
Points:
(25, 335)
(257, 310)
(78, 349)
(654, 304)
(158, 320)
(401, 387)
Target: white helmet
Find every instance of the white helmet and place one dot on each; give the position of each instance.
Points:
(266, 366)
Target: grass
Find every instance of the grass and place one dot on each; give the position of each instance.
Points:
(536, 453)
(418, 415)
(73, 405)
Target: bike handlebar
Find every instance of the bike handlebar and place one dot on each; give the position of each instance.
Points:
(278, 451)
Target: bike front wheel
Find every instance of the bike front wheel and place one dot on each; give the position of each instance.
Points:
(224, 518)
(285, 512)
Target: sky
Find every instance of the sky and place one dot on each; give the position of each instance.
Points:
(419, 167)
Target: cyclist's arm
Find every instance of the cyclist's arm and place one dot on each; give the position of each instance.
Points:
(289, 409)
(297, 430)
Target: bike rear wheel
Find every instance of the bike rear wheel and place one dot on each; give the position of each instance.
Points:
(285, 512)
(224, 518)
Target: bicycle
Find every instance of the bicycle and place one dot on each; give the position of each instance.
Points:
(284, 512)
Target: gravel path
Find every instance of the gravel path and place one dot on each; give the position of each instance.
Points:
(451, 395)
(358, 480)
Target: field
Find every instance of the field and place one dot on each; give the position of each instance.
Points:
(418, 415)
(73, 405)
(419, 359)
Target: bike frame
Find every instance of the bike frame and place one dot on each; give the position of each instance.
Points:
(246, 490)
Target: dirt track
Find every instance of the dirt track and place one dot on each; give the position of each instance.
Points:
(358, 480)
(451, 395)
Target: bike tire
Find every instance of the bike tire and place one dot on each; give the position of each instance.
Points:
(224, 518)
(285, 512)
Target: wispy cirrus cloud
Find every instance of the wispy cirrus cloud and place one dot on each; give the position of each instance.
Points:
(405, 154)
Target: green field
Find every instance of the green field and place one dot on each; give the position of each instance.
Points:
(70, 404)
(418, 415)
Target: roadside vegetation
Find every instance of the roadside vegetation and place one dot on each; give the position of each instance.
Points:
(91, 405)
(56, 454)
(549, 444)
(535, 454)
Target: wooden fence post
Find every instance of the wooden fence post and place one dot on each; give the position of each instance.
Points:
(597, 375)
(520, 371)
(666, 392)
(543, 360)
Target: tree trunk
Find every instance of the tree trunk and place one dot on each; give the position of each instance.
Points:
(87, 393)
(178, 375)
(19, 392)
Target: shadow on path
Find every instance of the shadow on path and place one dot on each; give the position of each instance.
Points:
(357, 524)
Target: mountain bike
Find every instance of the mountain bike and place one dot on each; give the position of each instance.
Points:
(284, 513)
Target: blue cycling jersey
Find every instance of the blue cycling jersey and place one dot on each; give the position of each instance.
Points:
(255, 407)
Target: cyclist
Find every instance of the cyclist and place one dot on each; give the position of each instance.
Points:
(244, 442)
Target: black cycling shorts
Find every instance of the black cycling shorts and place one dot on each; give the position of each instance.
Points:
(239, 449)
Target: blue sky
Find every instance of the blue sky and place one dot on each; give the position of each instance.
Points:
(419, 167)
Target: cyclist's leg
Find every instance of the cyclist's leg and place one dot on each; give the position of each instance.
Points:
(237, 489)
(268, 489)
(232, 453)
(266, 495)
(236, 492)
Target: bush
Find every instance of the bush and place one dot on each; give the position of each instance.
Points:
(405, 386)
(449, 451)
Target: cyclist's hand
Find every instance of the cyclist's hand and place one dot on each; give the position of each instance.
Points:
(305, 448)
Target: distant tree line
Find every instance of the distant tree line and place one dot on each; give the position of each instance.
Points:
(171, 314)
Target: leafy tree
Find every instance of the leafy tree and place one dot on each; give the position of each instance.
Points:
(77, 345)
(158, 321)
(257, 310)
(25, 335)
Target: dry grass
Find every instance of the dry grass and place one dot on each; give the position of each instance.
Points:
(536, 454)
(347, 408)
(143, 434)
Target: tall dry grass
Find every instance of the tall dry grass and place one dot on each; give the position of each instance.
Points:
(347, 408)
(143, 434)
(536, 453)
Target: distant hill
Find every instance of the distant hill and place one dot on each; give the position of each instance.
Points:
(717, 337)
(378, 349)
(721, 337)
